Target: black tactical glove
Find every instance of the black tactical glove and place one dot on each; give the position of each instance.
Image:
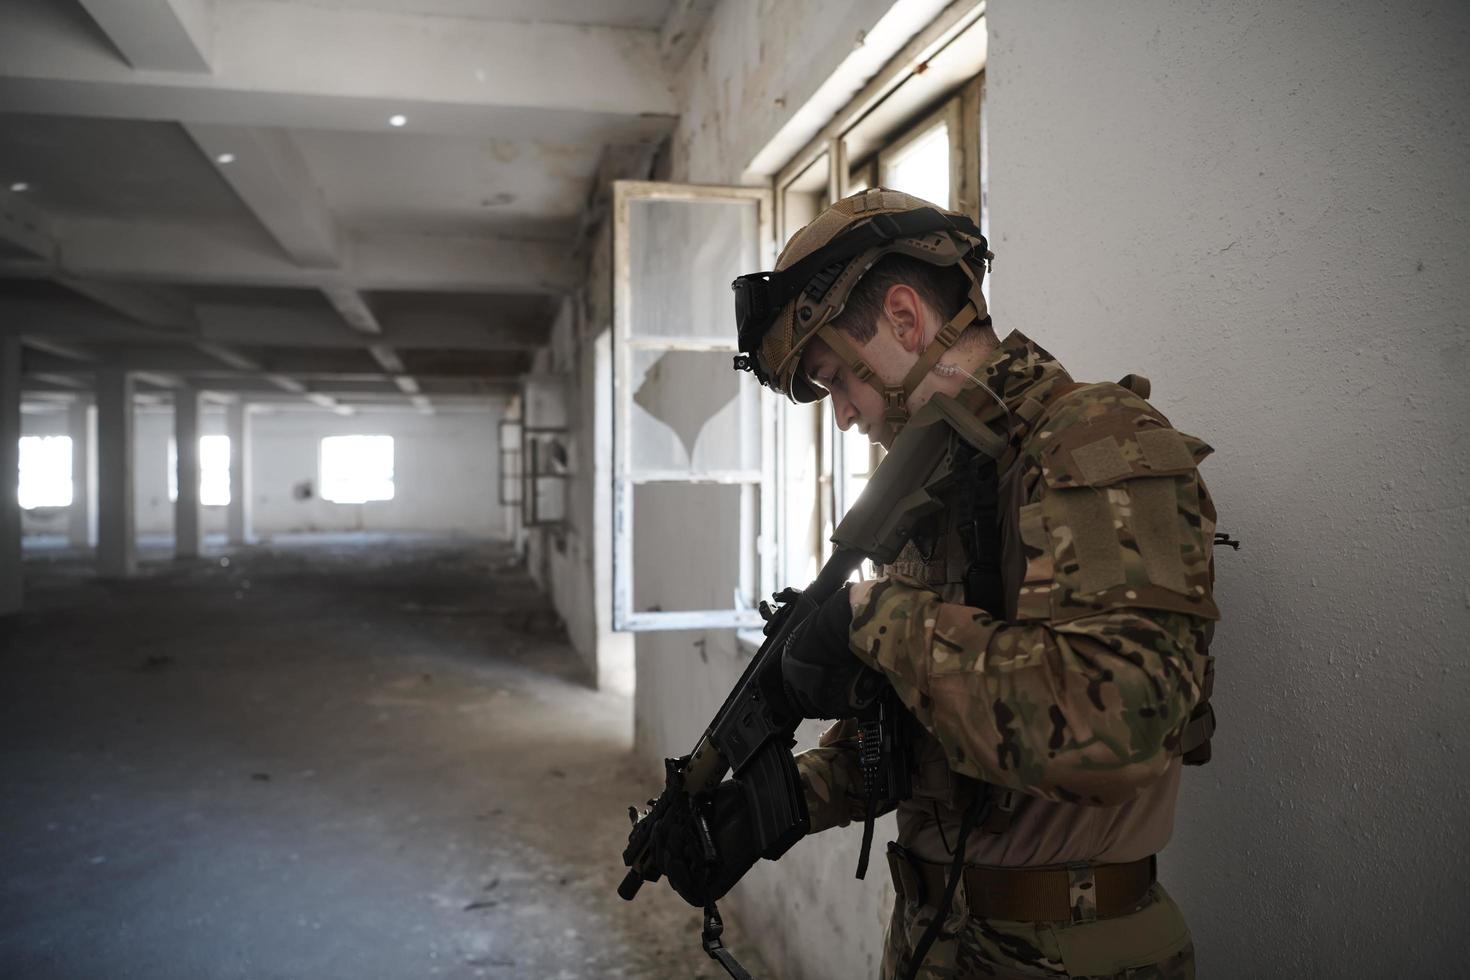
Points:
(679, 849)
(824, 678)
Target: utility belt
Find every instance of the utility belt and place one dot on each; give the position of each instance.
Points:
(1080, 892)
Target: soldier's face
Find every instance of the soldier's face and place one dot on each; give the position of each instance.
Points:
(854, 402)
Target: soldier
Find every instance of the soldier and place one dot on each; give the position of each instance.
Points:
(1048, 630)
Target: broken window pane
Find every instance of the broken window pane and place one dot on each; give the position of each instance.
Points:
(691, 412)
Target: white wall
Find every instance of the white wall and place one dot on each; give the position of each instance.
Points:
(445, 471)
(1262, 206)
(573, 562)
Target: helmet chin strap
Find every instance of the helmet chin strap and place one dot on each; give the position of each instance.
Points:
(896, 397)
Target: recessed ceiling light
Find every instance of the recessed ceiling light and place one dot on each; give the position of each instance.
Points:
(398, 120)
(20, 187)
(225, 158)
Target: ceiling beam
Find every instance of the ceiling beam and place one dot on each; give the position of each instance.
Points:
(351, 306)
(153, 306)
(60, 380)
(355, 400)
(151, 252)
(57, 348)
(22, 226)
(682, 30)
(292, 369)
(223, 325)
(311, 66)
(160, 380)
(269, 173)
(157, 35)
(227, 357)
(387, 357)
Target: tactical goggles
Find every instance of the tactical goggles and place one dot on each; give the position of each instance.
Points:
(760, 296)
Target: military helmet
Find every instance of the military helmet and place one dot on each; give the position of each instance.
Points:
(778, 313)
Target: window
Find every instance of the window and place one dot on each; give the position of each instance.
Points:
(510, 462)
(920, 165)
(45, 471)
(357, 469)
(214, 471)
(544, 457)
(916, 127)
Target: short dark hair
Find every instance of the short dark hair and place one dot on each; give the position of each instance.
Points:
(943, 287)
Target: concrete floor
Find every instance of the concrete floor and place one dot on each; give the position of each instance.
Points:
(349, 757)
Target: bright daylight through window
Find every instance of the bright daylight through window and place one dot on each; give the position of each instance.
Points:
(357, 469)
(922, 167)
(45, 471)
(214, 471)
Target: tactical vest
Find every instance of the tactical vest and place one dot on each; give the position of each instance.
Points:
(976, 518)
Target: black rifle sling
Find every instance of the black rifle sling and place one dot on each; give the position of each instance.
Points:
(976, 518)
(976, 812)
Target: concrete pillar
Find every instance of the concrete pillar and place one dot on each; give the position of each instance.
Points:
(188, 514)
(117, 555)
(10, 566)
(237, 423)
(81, 525)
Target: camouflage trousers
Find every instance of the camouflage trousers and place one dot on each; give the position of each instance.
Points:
(1150, 943)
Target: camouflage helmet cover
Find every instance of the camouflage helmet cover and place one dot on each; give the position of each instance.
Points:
(939, 236)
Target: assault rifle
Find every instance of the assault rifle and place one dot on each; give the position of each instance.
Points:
(752, 735)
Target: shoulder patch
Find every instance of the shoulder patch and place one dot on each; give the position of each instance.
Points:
(1102, 434)
(1122, 520)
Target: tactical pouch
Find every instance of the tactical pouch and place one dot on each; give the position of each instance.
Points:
(906, 879)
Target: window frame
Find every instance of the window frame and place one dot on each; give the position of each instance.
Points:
(758, 546)
(509, 450)
(947, 115)
(533, 438)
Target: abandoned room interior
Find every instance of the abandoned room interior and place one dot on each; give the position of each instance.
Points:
(388, 510)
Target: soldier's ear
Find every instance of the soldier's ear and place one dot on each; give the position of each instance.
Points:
(904, 312)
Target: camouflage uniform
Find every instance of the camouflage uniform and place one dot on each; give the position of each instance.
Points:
(1075, 696)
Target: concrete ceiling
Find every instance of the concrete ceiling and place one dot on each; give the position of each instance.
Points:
(214, 192)
(645, 14)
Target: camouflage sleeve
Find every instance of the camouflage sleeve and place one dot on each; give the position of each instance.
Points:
(832, 780)
(1085, 713)
(1084, 694)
